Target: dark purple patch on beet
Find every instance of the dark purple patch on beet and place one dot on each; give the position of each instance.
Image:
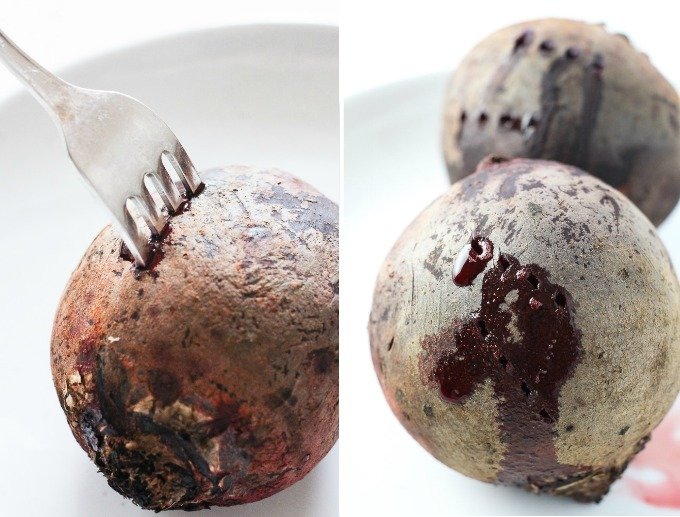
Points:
(522, 339)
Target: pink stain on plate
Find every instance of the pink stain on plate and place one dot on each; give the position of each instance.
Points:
(661, 455)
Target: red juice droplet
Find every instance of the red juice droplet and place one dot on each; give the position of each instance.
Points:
(535, 304)
(472, 260)
(662, 454)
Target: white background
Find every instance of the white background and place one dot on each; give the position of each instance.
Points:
(393, 169)
(384, 41)
(57, 33)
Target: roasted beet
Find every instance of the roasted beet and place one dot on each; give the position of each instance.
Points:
(212, 377)
(548, 363)
(571, 92)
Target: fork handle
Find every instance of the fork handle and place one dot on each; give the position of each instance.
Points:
(48, 88)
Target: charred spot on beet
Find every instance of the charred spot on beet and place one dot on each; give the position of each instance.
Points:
(164, 386)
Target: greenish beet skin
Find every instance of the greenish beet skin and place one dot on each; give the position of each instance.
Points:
(525, 328)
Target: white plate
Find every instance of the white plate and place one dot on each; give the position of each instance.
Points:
(260, 95)
(394, 169)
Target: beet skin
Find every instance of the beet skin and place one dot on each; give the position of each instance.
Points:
(526, 328)
(571, 92)
(212, 377)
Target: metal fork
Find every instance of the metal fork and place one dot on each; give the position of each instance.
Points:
(129, 156)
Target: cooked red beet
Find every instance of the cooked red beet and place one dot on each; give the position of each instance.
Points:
(571, 92)
(526, 328)
(212, 377)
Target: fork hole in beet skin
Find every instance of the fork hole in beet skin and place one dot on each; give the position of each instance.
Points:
(504, 263)
(533, 281)
(482, 328)
(525, 389)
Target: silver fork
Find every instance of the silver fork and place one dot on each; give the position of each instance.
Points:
(129, 156)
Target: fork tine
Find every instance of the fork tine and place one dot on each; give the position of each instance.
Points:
(134, 238)
(158, 220)
(169, 191)
(171, 167)
(155, 180)
(190, 177)
(145, 213)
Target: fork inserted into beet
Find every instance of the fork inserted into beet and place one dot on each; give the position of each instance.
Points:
(127, 154)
